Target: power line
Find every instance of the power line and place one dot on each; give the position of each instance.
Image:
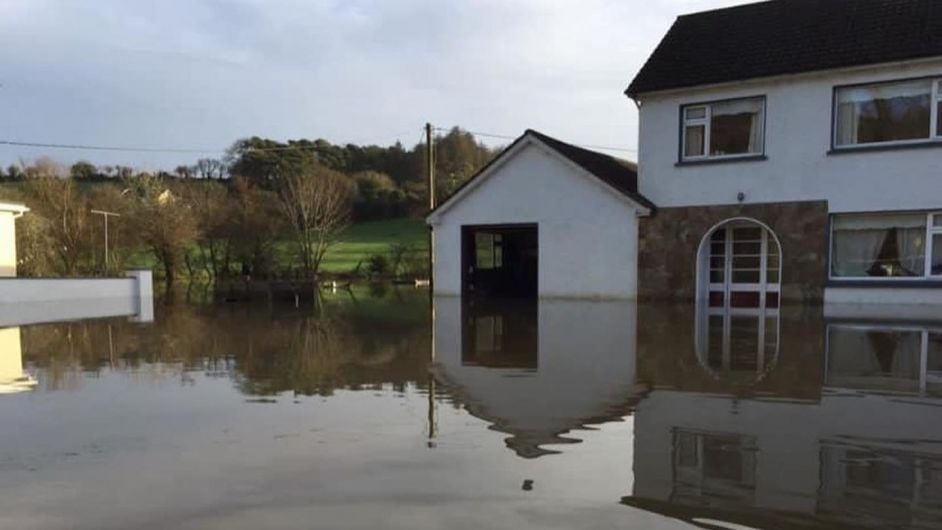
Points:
(108, 147)
(508, 137)
(47, 145)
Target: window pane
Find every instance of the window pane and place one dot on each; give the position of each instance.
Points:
(938, 129)
(484, 250)
(772, 276)
(748, 234)
(934, 364)
(747, 263)
(754, 249)
(937, 220)
(878, 246)
(696, 113)
(935, 266)
(693, 145)
(746, 276)
(736, 127)
(883, 113)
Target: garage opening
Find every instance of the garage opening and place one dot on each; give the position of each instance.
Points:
(500, 260)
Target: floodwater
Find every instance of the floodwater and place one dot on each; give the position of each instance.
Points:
(363, 412)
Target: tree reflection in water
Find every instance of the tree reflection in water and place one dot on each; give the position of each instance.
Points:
(350, 340)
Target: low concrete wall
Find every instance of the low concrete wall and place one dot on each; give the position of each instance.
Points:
(35, 300)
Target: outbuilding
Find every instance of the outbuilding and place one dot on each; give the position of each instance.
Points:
(9, 212)
(544, 218)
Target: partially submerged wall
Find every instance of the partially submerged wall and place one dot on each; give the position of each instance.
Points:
(35, 300)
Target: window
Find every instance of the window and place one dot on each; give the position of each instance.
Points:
(732, 128)
(886, 246)
(879, 245)
(934, 257)
(488, 250)
(897, 112)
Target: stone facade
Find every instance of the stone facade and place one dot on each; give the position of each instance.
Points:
(670, 239)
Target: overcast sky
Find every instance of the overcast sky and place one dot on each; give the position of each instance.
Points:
(202, 73)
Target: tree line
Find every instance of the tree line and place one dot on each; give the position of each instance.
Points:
(224, 217)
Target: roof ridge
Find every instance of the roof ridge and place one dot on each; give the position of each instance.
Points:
(579, 147)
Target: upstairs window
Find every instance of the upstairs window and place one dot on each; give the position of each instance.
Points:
(888, 113)
(733, 128)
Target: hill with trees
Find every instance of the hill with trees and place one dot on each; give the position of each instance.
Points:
(234, 215)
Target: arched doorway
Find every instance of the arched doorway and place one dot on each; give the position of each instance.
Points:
(740, 266)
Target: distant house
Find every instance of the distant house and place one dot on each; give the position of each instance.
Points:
(794, 151)
(9, 212)
(544, 218)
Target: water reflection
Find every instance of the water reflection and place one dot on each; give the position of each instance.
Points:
(738, 342)
(538, 370)
(842, 430)
(773, 418)
(13, 379)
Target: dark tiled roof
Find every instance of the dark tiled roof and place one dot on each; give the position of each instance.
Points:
(621, 175)
(787, 37)
(617, 173)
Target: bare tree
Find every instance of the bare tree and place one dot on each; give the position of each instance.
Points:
(55, 197)
(316, 202)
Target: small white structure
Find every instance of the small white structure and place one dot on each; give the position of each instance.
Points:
(543, 218)
(9, 212)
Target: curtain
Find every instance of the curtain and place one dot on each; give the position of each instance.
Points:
(911, 243)
(848, 123)
(755, 132)
(855, 251)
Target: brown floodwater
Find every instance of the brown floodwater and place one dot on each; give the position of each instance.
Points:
(365, 411)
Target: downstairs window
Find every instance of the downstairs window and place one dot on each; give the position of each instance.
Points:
(889, 246)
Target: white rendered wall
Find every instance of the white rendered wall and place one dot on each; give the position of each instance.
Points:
(7, 244)
(588, 235)
(34, 300)
(798, 138)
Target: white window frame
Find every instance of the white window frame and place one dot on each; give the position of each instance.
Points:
(934, 99)
(927, 274)
(705, 122)
(935, 118)
(931, 231)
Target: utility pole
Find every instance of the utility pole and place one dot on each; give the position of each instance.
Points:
(430, 170)
(106, 215)
(430, 175)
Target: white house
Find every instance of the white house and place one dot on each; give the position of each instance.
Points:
(792, 148)
(544, 218)
(9, 212)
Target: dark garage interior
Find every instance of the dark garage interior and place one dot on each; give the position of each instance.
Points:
(500, 260)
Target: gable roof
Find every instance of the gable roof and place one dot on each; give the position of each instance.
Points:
(620, 175)
(782, 37)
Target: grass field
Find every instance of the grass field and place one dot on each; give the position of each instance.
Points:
(362, 240)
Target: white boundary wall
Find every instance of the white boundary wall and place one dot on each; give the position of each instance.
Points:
(35, 300)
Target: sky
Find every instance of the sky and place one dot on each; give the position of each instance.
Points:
(200, 74)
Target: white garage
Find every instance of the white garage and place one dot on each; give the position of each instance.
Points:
(544, 218)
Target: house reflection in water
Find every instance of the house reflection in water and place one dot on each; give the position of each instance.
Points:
(537, 369)
(858, 446)
(12, 377)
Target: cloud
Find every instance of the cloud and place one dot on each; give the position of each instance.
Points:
(187, 73)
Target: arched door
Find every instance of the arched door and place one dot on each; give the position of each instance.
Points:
(742, 266)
